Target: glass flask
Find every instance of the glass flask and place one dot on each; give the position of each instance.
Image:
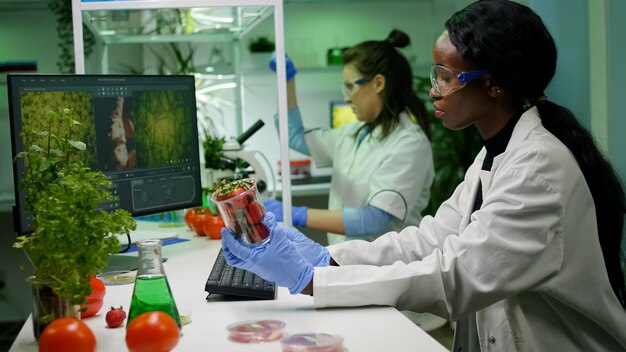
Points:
(152, 290)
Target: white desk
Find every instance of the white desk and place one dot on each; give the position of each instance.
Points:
(364, 329)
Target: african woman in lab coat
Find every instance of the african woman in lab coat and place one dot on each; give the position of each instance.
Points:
(525, 255)
(382, 163)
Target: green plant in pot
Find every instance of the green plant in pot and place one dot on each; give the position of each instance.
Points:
(72, 236)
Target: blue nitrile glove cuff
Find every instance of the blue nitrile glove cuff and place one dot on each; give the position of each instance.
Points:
(366, 221)
(310, 250)
(274, 206)
(290, 69)
(303, 281)
(299, 215)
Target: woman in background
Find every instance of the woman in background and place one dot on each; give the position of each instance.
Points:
(382, 163)
(525, 255)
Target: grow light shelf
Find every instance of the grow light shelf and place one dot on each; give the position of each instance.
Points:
(159, 25)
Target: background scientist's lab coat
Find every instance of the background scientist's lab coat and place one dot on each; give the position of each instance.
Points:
(394, 174)
(528, 262)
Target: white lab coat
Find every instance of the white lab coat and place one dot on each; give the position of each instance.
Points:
(394, 174)
(528, 261)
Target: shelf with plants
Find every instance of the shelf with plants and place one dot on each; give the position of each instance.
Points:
(167, 25)
(169, 21)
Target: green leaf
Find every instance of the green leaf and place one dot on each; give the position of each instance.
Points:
(78, 145)
(51, 116)
(44, 165)
(56, 153)
(36, 149)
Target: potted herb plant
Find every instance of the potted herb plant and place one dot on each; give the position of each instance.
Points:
(72, 236)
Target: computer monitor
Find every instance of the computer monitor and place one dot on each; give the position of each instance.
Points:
(340, 114)
(140, 130)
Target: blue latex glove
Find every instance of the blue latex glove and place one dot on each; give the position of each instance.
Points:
(310, 250)
(290, 69)
(276, 260)
(298, 214)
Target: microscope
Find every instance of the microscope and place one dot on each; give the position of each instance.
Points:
(243, 163)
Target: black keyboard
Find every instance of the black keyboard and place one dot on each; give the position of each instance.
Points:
(227, 280)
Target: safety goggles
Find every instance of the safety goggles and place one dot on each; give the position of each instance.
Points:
(446, 81)
(349, 88)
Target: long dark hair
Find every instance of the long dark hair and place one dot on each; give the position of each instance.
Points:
(511, 41)
(380, 57)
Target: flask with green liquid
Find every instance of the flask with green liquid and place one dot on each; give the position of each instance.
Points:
(152, 290)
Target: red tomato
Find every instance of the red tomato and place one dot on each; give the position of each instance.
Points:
(213, 227)
(190, 215)
(254, 213)
(199, 219)
(152, 332)
(67, 334)
(94, 300)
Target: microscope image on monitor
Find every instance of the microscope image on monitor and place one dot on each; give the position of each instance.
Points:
(140, 130)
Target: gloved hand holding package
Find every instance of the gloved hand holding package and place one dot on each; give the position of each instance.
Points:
(276, 260)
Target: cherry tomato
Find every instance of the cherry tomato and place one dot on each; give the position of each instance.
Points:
(94, 300)
(213, 227)
(67, 334)
(152, 332)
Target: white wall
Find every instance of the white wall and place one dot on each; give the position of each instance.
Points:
(25, 35)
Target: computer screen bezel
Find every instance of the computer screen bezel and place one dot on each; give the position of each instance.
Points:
(332, 105)
(19, 211)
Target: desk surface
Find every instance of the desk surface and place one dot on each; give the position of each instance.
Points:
(364, 329)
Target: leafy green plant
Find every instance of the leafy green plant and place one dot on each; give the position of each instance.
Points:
(261, 44)
(453, 152)
(212, 150)
(72, 235)
(62, 9)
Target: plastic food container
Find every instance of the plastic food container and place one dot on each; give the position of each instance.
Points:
(255, 331)
(242, 210)
(313, 342)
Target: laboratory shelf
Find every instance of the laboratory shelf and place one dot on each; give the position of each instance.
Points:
(162, 25)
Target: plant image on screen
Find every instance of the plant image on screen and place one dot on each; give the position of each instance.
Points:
(116, 134)
(35, 105)
(160, 127)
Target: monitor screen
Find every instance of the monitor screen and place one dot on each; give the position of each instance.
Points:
(341, 114)
(140, 130)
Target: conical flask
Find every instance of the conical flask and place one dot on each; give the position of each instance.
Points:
(152, 290)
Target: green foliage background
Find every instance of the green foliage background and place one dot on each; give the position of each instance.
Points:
(35, 105)
(160, 120)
